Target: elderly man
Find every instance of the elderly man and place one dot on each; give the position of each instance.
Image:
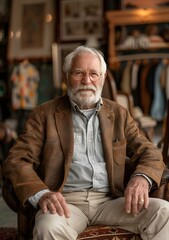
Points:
(69, 163)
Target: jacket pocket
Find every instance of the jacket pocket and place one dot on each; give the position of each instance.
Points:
(119, 152)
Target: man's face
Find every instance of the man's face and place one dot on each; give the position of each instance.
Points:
(85, 81)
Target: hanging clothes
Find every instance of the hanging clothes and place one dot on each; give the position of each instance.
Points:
(139, 77)
(126, 78)
(158, 105)
(136, 90)
(145, 98)
(25, 79)
(134, 75)
(167, 82)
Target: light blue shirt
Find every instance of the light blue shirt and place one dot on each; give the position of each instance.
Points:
(88, 167)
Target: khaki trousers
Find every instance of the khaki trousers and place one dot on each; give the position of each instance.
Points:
(93, 208)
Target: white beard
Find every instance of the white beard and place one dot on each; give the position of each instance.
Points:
(85, 98)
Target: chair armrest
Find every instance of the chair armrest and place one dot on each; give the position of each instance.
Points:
(25, 215)
(165, 177)
(163, 191)
(10, 197)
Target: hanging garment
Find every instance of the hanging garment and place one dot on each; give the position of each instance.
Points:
(25, 79)
(134, 75)
(126, 78)
(145, 98)
(167, 83)
(157, 110)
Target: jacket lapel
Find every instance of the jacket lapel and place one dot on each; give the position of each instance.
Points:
(64, 126)
(106, 125)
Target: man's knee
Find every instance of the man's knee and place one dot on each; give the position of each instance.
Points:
(49, 226)
(156, 221)
(156, 203)
(45, 224)
(159, 209)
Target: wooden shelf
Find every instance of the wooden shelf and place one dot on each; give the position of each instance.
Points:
(150, 48)
(138, 16)
(138, 56)
(132, 17)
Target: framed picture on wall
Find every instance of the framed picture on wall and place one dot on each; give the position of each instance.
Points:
(80, 19)
(31, 29)
(59, 52)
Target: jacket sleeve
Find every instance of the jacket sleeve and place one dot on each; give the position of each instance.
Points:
(144, 156)
(24, 158)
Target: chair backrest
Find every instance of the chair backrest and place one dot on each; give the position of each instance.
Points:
(126, 100)
(109, 88)
(110, 91)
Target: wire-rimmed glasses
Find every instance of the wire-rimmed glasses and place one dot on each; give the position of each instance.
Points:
(79, 75)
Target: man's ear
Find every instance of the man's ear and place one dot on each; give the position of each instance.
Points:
(105, 75)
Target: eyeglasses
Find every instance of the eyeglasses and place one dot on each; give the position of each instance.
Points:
(79, 75)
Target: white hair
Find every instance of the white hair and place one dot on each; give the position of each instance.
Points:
(80, 50)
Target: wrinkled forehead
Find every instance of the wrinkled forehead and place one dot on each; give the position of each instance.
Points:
(86, 60)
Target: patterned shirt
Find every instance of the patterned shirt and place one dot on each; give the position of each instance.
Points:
(25, 79)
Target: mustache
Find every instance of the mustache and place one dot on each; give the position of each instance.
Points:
(93, 88)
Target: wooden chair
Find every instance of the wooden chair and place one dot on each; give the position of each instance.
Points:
(102, 232)
(145, 123)
(7, 137)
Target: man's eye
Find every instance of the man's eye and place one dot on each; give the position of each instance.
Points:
(94, 74)
(79, 73)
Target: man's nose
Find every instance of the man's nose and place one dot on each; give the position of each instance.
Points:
(86, 79)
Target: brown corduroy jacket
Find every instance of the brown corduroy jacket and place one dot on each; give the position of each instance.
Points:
(42, 155)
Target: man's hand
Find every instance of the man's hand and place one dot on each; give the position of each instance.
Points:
(136, 195)
(54, 202)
